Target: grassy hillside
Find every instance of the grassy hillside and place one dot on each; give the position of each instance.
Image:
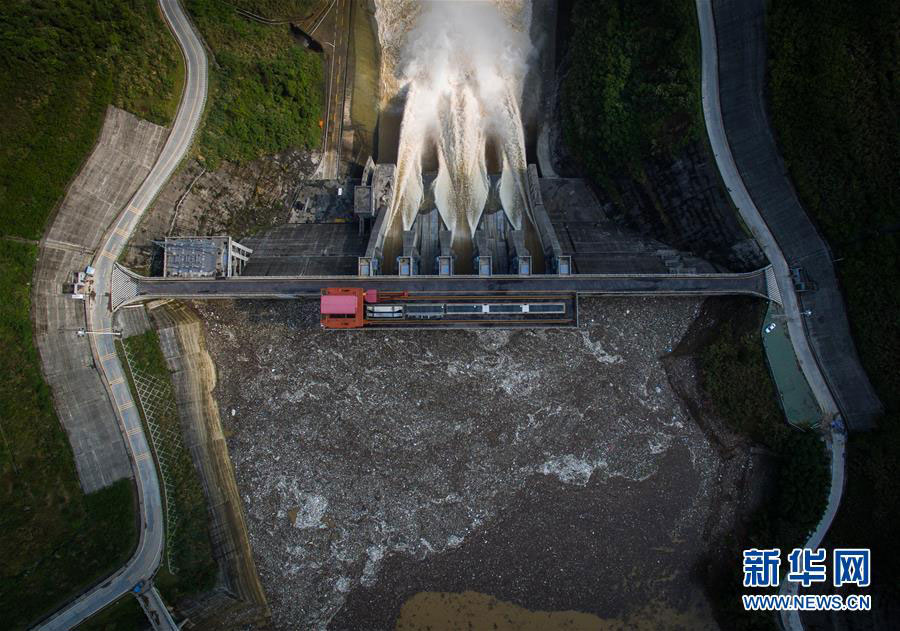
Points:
(61, 64)
(55, 539)
(266, 89)
(281, 9)
(834, 103)
(123, 615)
(735, 375)
(631, 91)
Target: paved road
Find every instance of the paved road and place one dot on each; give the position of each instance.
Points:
(715, 127)
(142, 566)
(742, 57)
(837, 442)
(752, 216)
(132, 289)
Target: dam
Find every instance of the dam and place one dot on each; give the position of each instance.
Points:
(566, 248)
(454, 218)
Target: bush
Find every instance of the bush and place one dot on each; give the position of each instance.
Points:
(734, 374)
(189, 548)
(61, 63)
(266, 91)
(632, 91)
(734, 358)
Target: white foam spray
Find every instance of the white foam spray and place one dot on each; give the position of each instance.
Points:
(462, 66)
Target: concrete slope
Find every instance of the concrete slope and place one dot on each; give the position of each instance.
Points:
(239, 598)
(120, 161)
(751, 214)
(142, 566)
(741, 48)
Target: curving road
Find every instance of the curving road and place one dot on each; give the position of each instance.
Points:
(715, 127)
(143, 565)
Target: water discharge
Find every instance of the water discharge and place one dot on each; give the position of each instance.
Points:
(458, 68)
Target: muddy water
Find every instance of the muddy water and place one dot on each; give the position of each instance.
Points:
(473, 611)
(555, 470)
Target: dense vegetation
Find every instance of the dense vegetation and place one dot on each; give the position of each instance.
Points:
(735, 375)
(280, 9)
(266, 89)
(631, 92)
(55, 538)
(189, 551)
(61, 64)
(834, 102)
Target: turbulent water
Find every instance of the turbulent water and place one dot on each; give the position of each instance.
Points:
(458, 68)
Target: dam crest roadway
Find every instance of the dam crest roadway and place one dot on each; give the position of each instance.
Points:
(129, 288)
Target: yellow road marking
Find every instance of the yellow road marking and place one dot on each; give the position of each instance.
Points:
(133, 431)
(107, 357)
(121, 233)
(142, 457)
(117, 381)
(126, 406)
(109, 255)
(132, 209)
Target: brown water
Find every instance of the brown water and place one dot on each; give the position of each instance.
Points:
(473, 611)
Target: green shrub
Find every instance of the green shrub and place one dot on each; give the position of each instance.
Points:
(61, 63)
(266, 91)
(632, 91)
(734, 374)
(56, 540)
(190, 549)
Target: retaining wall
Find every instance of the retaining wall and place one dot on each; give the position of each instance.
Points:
(240, 598)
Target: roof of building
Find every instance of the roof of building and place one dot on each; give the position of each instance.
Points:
(193, 256)
(339, 305)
